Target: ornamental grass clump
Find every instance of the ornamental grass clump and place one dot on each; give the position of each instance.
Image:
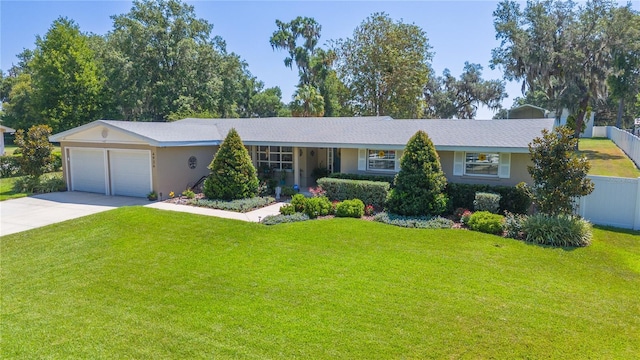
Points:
(281, 219)
(557, 230)
(419, 222)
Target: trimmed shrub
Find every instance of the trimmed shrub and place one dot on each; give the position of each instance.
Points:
(298, 201)
(486, 202)
(9, 166)
(39, 185)
(513, 225)
(486, 222)
(418, 187)
(281, 219)
(559, 230)
(239, 205)
(48, 184)
(370, 192)
(288, 191)
(35, 148)
(366, 177)
(287, 209)
(317, 206)
(513, 199)
(420, 222)
(189, 194)
(233, 175)
(350, 208)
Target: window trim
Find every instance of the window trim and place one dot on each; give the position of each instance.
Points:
(269, 151)
(391, 161)
(497, 164)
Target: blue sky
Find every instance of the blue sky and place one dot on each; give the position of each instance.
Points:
(458, 31)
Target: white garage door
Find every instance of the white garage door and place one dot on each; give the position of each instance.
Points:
(130, 172)
(87, 170)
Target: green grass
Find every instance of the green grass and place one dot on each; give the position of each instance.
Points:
(145, 283)
(607, 159)
(6, 189)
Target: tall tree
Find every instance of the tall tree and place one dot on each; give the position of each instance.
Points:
(163, 59)
(447, 97)
(267, 103)
(307, 102)
(299, 37)
(385, 65)
(65, 78)
(625, 78)
(558, 48)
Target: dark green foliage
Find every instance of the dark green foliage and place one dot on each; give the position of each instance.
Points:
(281, 219)
(233, 175)
(486, 202)
(369, 177)
(420, 183)
(350, 208)
(288, 191)
(287, 209)
(56, 162)
(240, 205)
(512, 199)
(559, 174)
(9, 166)
(421, 222)
(298, 201)
(317, 206)
(370, 192)
(486, 222)
(35, 149)
(558, 230)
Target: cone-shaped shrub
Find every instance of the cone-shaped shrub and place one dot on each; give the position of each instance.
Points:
(233, 176)
(420, 184)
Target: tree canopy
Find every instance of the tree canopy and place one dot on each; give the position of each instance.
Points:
(385, 67)
(447, 97)
(565, 50)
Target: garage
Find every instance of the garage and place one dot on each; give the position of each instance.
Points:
(87, 168)
(110, 171)
(130, 172)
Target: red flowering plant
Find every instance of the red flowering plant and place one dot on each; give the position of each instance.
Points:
(465, 217)
(317, 191)
(368, 210)
(458, 212)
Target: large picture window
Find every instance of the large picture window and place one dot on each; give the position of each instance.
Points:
(482, 164)
(275, 157)
(381, 160)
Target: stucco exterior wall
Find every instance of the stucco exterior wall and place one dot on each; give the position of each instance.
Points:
(518, 169)
(172, 172)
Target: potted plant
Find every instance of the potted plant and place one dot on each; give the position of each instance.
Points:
(152, 196)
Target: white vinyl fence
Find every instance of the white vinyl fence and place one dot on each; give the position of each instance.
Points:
(614, 201)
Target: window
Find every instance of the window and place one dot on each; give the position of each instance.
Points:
(482, 164)
(381, 160)
(276, 157)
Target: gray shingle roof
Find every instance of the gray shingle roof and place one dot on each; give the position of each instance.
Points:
(351, 132)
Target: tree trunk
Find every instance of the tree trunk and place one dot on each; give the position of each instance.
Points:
(620, 108)
(582, 111)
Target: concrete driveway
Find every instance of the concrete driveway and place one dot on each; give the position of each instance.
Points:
(27, 213)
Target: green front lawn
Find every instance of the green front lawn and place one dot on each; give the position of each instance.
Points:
(607, 159)
(144, 283)
(6, 189)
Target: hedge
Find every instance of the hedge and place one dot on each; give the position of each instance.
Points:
(513, 198)
(367, 177)
(370, 192)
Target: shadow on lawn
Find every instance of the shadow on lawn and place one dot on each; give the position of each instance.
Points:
(596, 155)
(617, 230)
